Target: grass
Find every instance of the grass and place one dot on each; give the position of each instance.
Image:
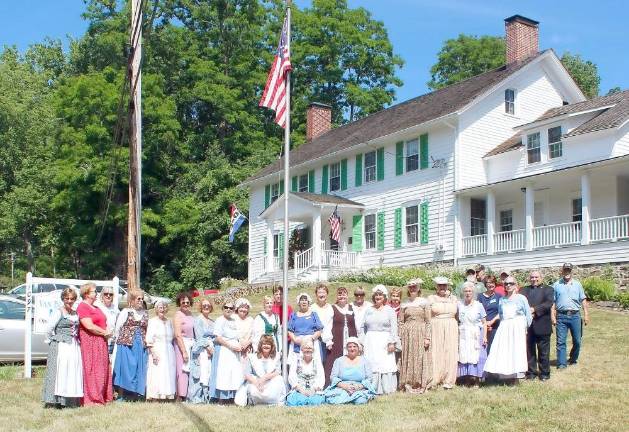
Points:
(591, 396)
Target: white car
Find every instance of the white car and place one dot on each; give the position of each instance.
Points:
(20, 290)
(12, 327)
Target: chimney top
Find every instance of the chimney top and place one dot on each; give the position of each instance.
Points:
(522, 19)
(521, 37)
(318, 120)
(319, 105)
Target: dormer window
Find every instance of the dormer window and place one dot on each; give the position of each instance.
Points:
(554, 143)
(510, 101)
(532, 148)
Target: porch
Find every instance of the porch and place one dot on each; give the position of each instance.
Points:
(576, 209)
(319, 257)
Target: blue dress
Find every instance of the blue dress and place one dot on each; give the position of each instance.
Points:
(130, 366)
(342, 372)
(200, 365)
(303, 326)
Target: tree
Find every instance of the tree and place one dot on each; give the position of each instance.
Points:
(584, 73)
(613, 90)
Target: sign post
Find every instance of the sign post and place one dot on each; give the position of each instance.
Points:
(28, 325)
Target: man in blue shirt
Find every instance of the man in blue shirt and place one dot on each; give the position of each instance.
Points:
(569, 298)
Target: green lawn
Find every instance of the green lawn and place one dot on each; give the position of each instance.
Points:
(592, 396)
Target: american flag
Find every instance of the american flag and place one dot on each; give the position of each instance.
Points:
(335, 226)
(274, 95)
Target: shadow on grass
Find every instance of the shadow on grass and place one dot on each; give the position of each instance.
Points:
(198, 421)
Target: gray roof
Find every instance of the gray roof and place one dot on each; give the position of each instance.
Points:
(398, 117)
(511, 144)
(325, 199)
(608, 119)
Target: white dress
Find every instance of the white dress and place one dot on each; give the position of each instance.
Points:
(69, 366)
(325, 313)
(160, 377)
(229, 374)
(507, 356)
(380, 328)
(274, 392)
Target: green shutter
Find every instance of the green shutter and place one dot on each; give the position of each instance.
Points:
(344, 174)
(265, 245)
(357, 233)
(267, 195)
(423, 221)
(358, 179)
(399, 158)
(380, 231)
(324, 180)
(380, 164)
(293, 186)
(311, 181)
(281, 187)
(280, 246)
(423, 151)
(397, 236)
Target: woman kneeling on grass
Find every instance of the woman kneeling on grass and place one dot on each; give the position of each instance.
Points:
(351, 377)
(306, 377)
(264, 384)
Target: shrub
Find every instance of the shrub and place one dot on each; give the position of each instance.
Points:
(623, 299)
(398, 276)
(598, 289)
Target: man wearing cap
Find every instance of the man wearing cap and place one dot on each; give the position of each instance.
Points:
(360, 305)
(540, 299)
(474, 275)
(569, 297)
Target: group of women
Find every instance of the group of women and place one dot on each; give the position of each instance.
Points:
(334, 355)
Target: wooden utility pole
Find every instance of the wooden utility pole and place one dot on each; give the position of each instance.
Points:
(135, 149)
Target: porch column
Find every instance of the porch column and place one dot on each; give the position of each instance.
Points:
(316, 239)
(491, 221)
(529, 205)
(270, 262)
(456, 247)
(585, 208)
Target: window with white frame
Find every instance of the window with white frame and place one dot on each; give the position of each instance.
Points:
(506, 220)
(370, 166)
(335, 177)
(412, 155)
(303, 183)
(510, 101)
(412, 225)
(275, 191)
(478, 219)
(276, 245)
(532, 148)
(370, 231)
(576, 210)
(554, 142)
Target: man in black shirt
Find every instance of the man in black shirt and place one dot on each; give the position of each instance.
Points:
(540, 299)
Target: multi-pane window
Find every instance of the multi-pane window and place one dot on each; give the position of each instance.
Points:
(370, 166)
(506, 220)
(532, 148)
(510, 101)
(554, 142)
(303, 183)
(478, 218)
(275, 191)
(412, 155)
(335, 177)
(276, 245)
(370, 231)
(412, 226)
(576, 210)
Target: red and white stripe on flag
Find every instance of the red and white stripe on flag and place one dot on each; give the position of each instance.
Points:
(335, 226)
(274, 96)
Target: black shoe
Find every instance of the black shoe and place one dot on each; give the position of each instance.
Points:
(530, 376)
(544, 377)
(572, 363)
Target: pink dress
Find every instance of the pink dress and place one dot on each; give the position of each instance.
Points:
(97, 387)
(187, 331)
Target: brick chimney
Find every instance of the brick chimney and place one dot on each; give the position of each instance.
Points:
(522, 37)
(318, 120)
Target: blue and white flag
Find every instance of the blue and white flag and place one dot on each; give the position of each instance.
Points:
(236, 221)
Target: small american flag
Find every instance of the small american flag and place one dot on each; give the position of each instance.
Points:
(274, 95)
(335, 226)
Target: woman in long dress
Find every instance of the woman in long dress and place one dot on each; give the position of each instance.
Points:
(415, 335)
(227, 373)
(183, 325)
(352, 378)
(507, 357)
(303, 322)
(306, 378)
(201, 355)
(263, 375)
(131, 353)
(161, 379)
(267, 323)
(324, 311)
(445, 334)
(472, 337)
(93, 335)
(380, 336)
(63, 384)
(341, 327)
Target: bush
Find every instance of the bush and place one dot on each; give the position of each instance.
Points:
(598, 289)
(398, 276)
(623, 299)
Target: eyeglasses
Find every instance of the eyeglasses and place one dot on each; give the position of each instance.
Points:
(205, 306)
(509, 283)
(228, 308)
(184, 303)
(108, 294)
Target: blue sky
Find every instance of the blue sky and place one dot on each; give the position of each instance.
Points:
(598, 31)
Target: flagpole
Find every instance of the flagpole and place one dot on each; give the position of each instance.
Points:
(286, 194)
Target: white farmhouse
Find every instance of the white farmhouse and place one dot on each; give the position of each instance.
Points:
(510, 168)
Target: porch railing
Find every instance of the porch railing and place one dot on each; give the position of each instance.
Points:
(557, 235)
(332, 258)
(509, 241)
(609, 228)
(304, 260)
(474, 245)
(257, 267)
(278, 263)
